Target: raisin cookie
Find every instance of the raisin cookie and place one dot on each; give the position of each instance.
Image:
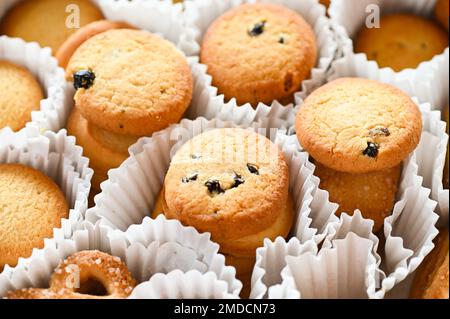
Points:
(402, 41)
(356, 125)
(372, 193)
(105, 150)
(234, 184)
(31, 205)
(69, 47)
(48, 22)
(130, 82)
(441, 13)
(259, 53)
(431, 279)
(21, 94)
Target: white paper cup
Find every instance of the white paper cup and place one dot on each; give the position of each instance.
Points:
(57, 156)
(201, 13)
(348, 16)
(178, 285)
(160, 253)
(41, 64)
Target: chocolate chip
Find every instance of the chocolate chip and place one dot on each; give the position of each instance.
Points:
(371, 150)
(253, 169)
(190, 178)
(83, 79)
(257, 29)
(238, 180)
(380, 131)
(214, 186)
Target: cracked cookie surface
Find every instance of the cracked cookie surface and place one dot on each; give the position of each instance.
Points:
(138, 82)
(357, 125)
(259, 53)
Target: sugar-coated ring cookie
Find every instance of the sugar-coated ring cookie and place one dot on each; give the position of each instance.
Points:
(402, 41)
(232, 183)
(130, 82)
(69, 47)
(431, 278)
(259, 53)
(89, 274)
(441, 12)
(372, 193)
(105, 150)
(48, 22)
(357, 125)
(31, 206)
(21, 94)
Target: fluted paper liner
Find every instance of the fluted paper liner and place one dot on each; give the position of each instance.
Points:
(57, 156)
(179, 285)
(340, 270)
(348, 16)
(159, 254)
(200, 14)
(41, 64)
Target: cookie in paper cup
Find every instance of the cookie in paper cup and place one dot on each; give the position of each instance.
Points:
(348, 16)
(142, 259)
(56, 156)
(40, 63)
(179, 285)
(201, 14)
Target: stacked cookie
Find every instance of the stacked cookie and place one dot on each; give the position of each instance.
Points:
(233, 183)
(358, 132)
(129, 84)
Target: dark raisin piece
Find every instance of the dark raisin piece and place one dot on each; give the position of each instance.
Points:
(257, 29)
(190, 178)
(195, 156)
(214, 186)
(380, 131)
(238, 180)
(83, 79)
(371, 150)
(253, 169)
(281, 40)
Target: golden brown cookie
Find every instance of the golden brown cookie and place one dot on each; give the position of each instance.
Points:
(441, 13)
(130, 82)
(68, 48)
(446, 176)
(48, 22)
(356, 125)
(85, 275)
(105, 150)
(232, 183)
(20, 94)
(31, 205)
(431, 279)
(402, 41)
(372, 193)
(259, 53)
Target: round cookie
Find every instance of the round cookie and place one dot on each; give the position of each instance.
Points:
(48, 22)
(441, 13)
(69, 47)
(357, 125)
(372, 193)
(31, 205)
(232, 183)
(105, 150)
(402, 41)
(259, 53)
(20, 94)
(130, 82)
